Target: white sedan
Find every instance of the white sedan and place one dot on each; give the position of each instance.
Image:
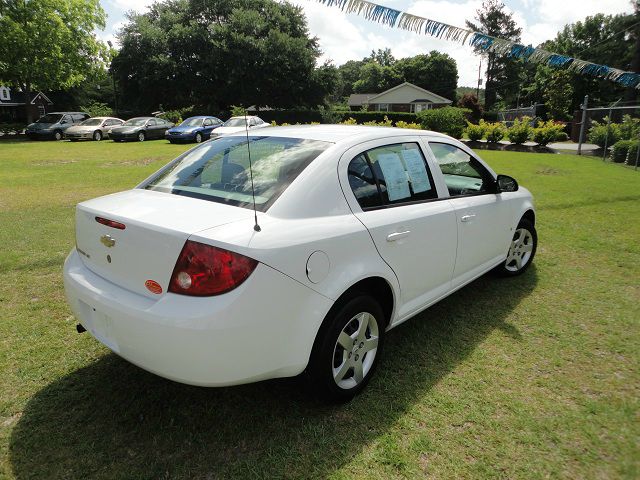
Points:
(214, 273)
(239, 124)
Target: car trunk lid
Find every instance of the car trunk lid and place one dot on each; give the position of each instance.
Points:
(143, 254)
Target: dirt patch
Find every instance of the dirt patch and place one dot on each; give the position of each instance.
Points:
(130, 163)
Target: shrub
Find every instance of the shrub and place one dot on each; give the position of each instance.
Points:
(470, 102)
(624, 149)
(449, 120)
(629, 128)
(98, 109)
(174, 116)
(599, 132)
(384, 123)
(520, 131)
(329, 115)
(238, 111)
(11, 128)
(475, 132)
(403, 124)
(632, 153)
(349, 121)
(547, 132)
(495, 131)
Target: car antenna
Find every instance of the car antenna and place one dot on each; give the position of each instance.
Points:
(256, 227)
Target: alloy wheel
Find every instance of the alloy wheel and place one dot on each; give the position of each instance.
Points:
(355, 350)
(520, 250)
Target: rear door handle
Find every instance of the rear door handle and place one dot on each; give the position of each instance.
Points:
(392, 237)
(467, 218)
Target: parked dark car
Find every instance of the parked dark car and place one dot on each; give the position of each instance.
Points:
(140, 129)
(193, 129)
(53, 125)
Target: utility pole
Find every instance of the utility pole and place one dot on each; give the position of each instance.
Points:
(479, 80)
(584, 105)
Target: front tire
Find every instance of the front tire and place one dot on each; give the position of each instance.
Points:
(97, 135)
(521, 251)
(347, 349)
(57, 135)
(198, 137)
(141, 137)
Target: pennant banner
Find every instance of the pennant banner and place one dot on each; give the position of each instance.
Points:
(413, 23)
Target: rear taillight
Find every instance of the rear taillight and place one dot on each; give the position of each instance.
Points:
(203, 270)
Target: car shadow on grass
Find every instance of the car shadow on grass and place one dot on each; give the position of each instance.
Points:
(114, 420)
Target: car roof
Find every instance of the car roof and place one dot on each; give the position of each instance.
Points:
(339, 133)
(245, 116)
(67, 113)
(200, 116)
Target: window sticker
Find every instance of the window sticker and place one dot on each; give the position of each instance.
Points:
(417, 170)
(394, 176)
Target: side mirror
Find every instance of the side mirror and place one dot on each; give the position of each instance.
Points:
(505, 183)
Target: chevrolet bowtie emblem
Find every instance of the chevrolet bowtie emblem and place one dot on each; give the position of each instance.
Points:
(107, 241)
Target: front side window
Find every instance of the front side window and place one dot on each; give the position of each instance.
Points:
(218, 171)
(395, 173)
(463, 174)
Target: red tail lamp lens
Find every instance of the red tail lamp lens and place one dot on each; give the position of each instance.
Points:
(203, 270)
(111, 223)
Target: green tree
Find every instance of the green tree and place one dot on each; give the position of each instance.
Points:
(603, 39)
(503, 73)
(49, 44)
(382, 57)
(349, 73)
(216, 54)
(375, 78)
(436, 72)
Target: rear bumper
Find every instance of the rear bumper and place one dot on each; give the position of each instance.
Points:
(263, 329)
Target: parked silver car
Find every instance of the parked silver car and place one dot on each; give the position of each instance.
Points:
(54, 124)
(95, 128)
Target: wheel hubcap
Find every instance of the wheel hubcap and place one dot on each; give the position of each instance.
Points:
(141, 137)
(355, 350)
(520, 250)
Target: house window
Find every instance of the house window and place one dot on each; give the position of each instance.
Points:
(41, 110)
(4, 93)
(383, 107)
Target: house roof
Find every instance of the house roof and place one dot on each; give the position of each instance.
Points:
(18, 98)
(420, 92)
(357, 99)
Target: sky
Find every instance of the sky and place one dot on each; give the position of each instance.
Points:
(344, 37)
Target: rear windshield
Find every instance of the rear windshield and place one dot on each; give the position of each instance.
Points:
(218, 171)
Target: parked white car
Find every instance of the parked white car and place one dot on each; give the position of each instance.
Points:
(356, 230)
(239, 124)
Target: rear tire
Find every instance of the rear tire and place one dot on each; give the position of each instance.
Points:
(521, 250)
(347, 349)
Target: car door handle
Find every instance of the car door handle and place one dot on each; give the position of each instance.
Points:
(467, 218)
(392, 237)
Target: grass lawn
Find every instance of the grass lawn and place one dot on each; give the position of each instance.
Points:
(533, 377)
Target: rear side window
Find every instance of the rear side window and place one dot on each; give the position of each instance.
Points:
(389, 175)
(219, 170)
